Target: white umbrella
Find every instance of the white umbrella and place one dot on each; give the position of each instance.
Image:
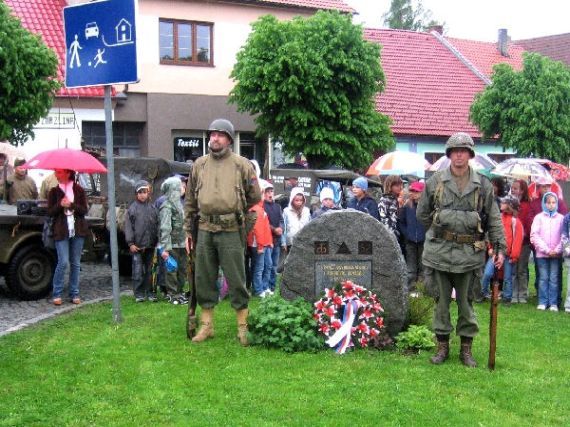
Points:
(521, 168)
(11, 152)
(480, 161)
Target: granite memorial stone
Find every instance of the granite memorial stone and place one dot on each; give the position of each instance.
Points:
(348, 245)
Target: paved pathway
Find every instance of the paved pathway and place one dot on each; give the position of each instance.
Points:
(95, 285)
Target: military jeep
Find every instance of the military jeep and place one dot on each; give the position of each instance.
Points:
(25, 263)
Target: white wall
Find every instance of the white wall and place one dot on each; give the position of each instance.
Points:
(51, 134)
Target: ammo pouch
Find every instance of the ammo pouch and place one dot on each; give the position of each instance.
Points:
(250, 219)
(459, 238)
(225, 221)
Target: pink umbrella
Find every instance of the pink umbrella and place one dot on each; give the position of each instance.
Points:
(66, 158)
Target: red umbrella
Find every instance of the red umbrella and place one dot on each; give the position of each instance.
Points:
(559, 172)
(65, 158)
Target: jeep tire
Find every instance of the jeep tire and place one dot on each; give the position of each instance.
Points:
(30, 272)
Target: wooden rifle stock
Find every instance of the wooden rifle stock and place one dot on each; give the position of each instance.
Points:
(192, 323)
(493, 317)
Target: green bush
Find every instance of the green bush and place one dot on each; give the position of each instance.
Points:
(415, 339)
(286, 325)
(420, 308)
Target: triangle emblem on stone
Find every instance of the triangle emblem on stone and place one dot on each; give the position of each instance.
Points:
(343, 249)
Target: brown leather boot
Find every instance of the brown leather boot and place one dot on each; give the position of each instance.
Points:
(442, 350)
(207, 326)
(465, 353)
(242, 326)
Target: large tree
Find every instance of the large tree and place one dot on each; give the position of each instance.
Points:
(404, 15)
(28, 70)
(311, 82)
(529, 110)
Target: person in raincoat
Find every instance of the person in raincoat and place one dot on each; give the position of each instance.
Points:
(295, 216)
(172, 238)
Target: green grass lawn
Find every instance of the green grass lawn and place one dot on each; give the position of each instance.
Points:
(81, 369)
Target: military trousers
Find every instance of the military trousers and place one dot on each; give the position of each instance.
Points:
(223, 249)
(463, 283)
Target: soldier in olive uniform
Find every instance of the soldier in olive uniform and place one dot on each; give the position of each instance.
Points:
(20, 185)
(459, 211)
(221, 189)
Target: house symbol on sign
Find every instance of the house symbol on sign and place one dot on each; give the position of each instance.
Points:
(123, 30)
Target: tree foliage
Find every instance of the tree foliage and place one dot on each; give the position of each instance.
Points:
(312, 83)
(28, 70)
(529, 110)
(402, 15)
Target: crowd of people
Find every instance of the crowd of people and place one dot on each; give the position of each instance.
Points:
(450, 229)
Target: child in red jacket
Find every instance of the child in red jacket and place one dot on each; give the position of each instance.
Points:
(514, 234)
(260, 242)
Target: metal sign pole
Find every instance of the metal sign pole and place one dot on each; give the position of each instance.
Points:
(117, 317)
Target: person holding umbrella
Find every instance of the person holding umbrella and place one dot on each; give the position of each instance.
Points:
(67, 205)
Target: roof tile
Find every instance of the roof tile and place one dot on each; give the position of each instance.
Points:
(45, 17)
(556, 47)
(429, 91)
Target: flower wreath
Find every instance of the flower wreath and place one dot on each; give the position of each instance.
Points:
(349, 312)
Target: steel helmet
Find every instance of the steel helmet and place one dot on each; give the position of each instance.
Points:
(222, 125)
(460, 140)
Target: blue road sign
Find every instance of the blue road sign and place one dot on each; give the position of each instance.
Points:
(100, 43)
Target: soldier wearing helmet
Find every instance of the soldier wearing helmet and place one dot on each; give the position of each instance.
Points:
(458, 210)
(220, 191)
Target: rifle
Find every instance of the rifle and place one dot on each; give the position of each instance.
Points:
(493, 315)
(192, 323)
(154, 273)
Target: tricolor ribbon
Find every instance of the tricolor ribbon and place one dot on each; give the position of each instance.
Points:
(342, 338)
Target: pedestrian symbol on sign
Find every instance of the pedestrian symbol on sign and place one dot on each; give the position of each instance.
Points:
(74, 48)
(101, 43)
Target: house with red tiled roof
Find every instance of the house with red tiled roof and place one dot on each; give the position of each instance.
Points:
(431, 82)
(556, 47)
(62, 126)
(186, 51)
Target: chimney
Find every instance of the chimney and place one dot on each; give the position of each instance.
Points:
(503, 42)
(437, 28)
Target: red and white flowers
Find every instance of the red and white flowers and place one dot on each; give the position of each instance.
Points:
(365, 314)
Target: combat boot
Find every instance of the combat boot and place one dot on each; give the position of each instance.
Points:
(442, 350)
(242, 326)
(206, 326)
(465, 353)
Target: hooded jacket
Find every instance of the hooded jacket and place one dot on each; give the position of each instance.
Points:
(545, 233)
(514, 233)
(260, 236)
(141, 224)
(171, 234)
(294, 220)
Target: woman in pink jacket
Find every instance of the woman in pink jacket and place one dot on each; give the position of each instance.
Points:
(545, 235)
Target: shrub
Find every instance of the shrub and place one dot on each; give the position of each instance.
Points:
(420, 308)
(286, 325)
(415, 339)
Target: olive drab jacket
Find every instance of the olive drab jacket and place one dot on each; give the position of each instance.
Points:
(457, 223)
(221, 189)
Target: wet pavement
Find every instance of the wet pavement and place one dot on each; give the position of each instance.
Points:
(95, 285)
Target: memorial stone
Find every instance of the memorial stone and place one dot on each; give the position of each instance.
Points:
(348, 245)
